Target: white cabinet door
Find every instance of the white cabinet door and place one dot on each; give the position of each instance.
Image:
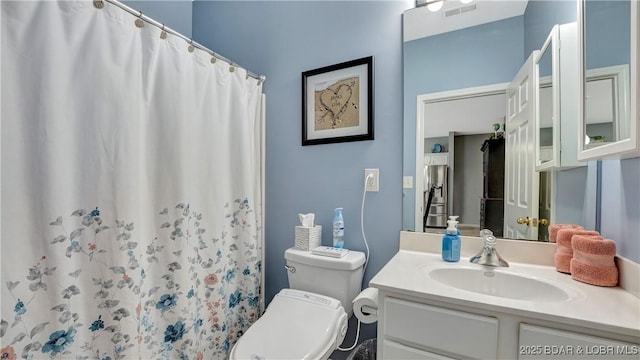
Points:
(627, 121)
(537, 342)
(445, 331)
(558, 100)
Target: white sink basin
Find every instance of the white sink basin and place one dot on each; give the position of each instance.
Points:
(501, 283)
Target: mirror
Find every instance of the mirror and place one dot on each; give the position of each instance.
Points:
(609, 124)
(474, 55)
(469, 125)
(466, 126)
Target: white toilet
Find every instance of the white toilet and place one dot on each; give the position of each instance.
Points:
(309, 320)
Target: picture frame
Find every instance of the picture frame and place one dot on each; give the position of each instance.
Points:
(337, 103)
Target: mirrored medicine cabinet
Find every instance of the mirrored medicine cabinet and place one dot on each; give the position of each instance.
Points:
(608, 64)
(558, 79)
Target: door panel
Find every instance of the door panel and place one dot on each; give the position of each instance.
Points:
(521, 180)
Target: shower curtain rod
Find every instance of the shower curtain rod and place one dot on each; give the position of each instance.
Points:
(140, 15)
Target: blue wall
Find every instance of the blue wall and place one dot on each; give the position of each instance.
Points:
(281, 40)
(540, 16)
(621, 205)
(175, 14)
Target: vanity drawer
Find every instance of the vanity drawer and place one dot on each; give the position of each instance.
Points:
(538, 342)
(441, 329)
(393, 350)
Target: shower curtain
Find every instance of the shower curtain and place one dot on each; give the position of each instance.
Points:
(131, 191)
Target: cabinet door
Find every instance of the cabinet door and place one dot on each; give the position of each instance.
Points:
(598, 20)
(393, 350)
(440, 330)
(537, 342)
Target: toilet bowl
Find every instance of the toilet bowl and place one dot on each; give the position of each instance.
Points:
(308, 320)
(296, 325)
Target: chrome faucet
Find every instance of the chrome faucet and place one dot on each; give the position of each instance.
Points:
(488, 256)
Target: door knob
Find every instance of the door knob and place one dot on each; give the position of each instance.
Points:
(522, 220)
(544, 222)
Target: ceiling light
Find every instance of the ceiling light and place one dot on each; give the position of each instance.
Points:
(435, 5)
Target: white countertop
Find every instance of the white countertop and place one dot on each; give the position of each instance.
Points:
(606, 308)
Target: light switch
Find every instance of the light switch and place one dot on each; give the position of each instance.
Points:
(407, 182)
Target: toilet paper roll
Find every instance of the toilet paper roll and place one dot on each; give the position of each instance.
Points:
(365, 305)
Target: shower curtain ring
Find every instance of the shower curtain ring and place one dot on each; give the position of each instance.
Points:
(139, 22)
(163, 34)
(191, 47)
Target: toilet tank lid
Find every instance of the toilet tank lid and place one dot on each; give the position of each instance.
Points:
(351, 261)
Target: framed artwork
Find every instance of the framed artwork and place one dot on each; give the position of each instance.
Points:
(337, 103)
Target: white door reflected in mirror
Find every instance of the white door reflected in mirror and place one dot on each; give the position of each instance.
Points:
(522, 184)
(462, 121)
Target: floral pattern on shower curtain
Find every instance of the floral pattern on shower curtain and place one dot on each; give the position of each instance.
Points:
(131, 196)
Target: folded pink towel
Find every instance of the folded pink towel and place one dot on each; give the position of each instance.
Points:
(553, 230)
(564, 253)
(592, 261)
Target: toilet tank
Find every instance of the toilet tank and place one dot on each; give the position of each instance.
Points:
(339, 278)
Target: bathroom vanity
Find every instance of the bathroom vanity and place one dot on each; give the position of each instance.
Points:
(431, 309)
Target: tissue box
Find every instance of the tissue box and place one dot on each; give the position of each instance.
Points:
(308, 237)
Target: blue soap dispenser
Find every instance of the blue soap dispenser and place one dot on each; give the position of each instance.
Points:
(451, 241)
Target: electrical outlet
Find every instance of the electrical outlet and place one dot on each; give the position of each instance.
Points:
(372, 182)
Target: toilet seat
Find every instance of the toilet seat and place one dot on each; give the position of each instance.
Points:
(296, 325)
